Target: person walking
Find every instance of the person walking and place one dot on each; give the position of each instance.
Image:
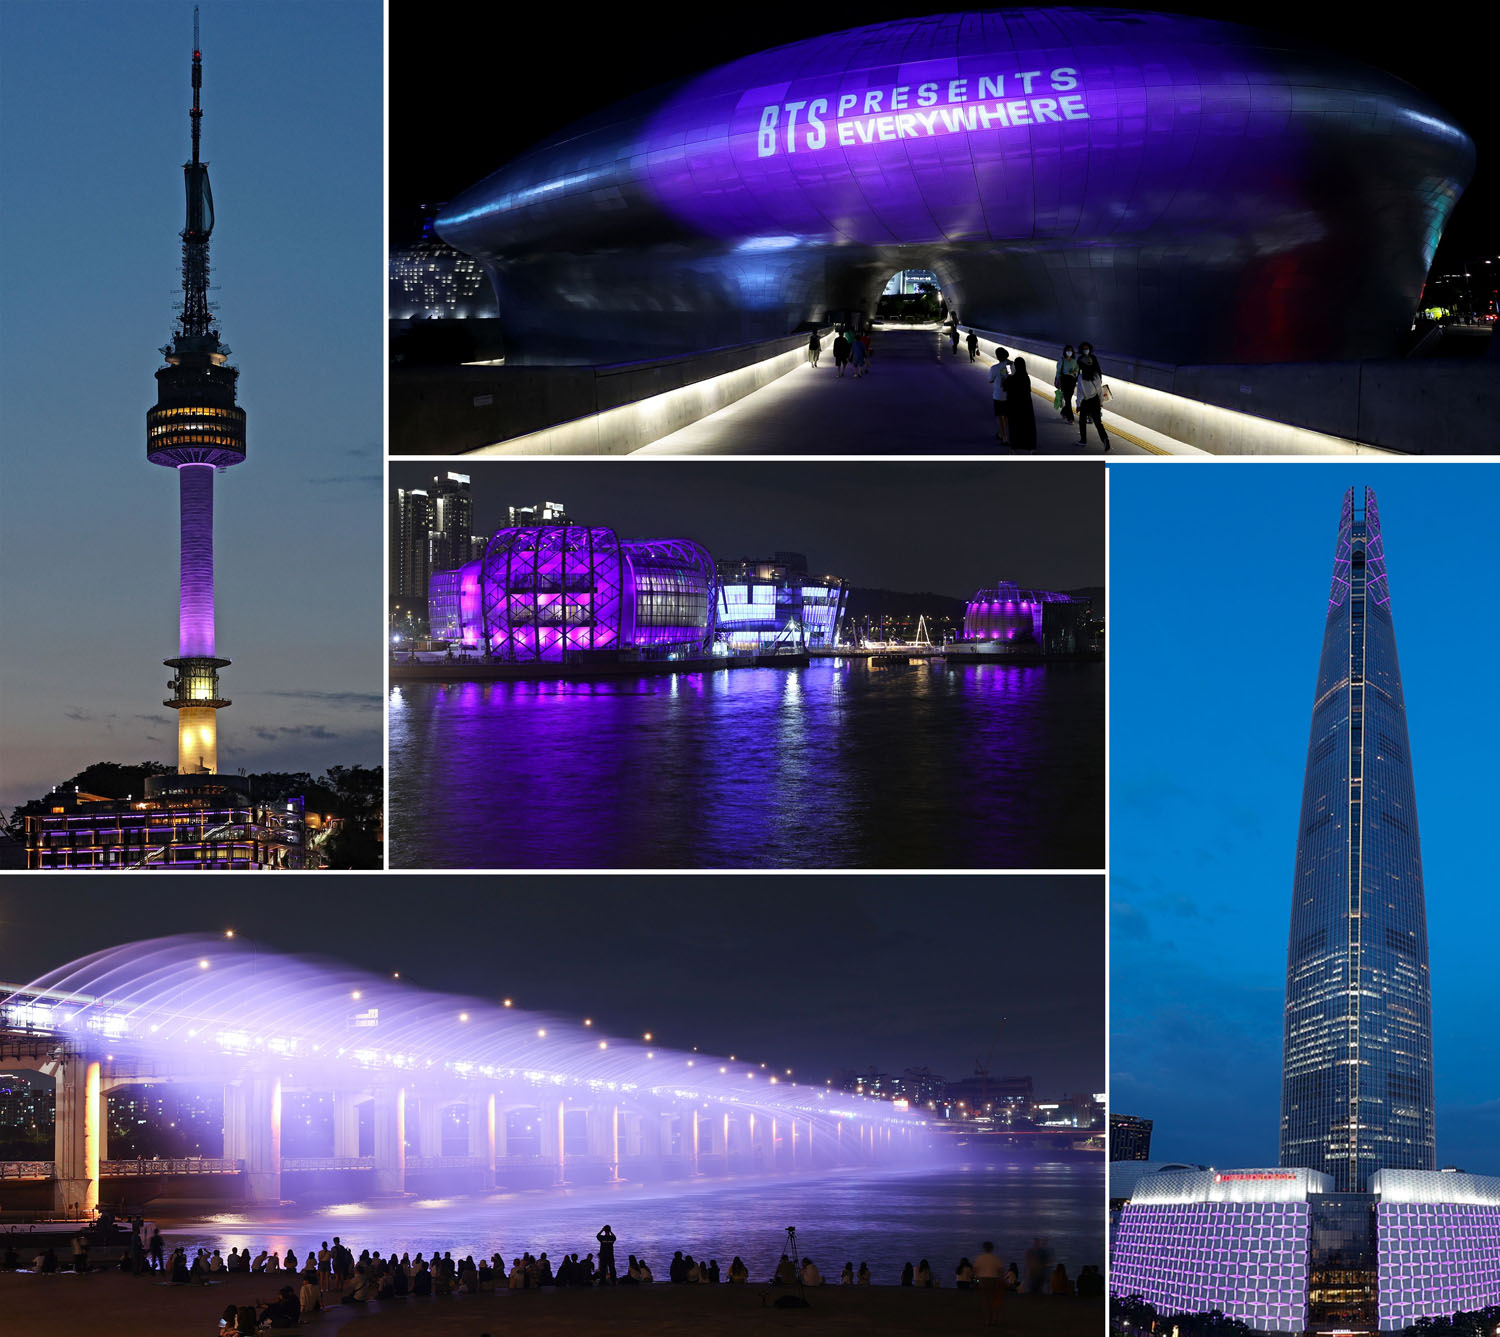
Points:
(1090, 395)
(1020, 414)
(973, 343)
(953, 333)
(857, 360)
(840, 351)
(814, 347)
(989, 1273)
(998, 373)
(1065, 380)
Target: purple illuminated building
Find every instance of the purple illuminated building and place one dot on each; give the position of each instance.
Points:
(1010, 617)
(1356, 1230)
(1176, 187)
(563, 593)
(196, 428)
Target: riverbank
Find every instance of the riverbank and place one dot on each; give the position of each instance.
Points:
(481, 670)
(64, 1305)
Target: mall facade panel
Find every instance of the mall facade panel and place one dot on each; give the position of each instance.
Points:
(1167, 186)
(1283, 1251)
(1357, 1085)
(765, 604)
(1007, 614)
(558, 593)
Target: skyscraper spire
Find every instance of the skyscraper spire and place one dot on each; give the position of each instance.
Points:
(196, 428)
(1357, 1082)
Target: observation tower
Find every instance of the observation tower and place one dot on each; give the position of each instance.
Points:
(196, 428)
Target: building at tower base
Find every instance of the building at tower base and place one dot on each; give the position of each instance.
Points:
(1283, 1252)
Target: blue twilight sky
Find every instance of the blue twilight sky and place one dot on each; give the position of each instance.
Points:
(93, 135)
(1219, 588)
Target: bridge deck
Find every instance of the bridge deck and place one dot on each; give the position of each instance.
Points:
(918, 399)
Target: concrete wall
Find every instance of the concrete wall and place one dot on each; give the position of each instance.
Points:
(1417, 407)
(560, 410)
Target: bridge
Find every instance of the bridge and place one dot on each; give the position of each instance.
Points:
(535, 1100)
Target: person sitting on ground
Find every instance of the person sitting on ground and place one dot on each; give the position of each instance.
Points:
(244, 1320)
(290, 1262)
(810, 1274)
(907, 1273)
(216, 1262)
(846, 1277)
(311, 1298)
(517, 1279)
(646, 1277)
(863, 1277)
(694, 1272)
(739, 1274)
(273, 1262)
(228, 1317)
(711, 1273)
(924, 1275)
(259, 1265)
(1012, 1277)
(677, 1268)
(421, 1278)
(1060, 1283)
(963, 1274)
(786, 1273)
(180, 1274)
(283, 1311)
(1090, 1283)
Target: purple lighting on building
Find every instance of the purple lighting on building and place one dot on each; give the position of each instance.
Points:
(550, 592)
(1008, 613)
(195, 605)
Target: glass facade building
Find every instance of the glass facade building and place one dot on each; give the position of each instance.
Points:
(769, 604)
(552, 593)
(1357, 1086)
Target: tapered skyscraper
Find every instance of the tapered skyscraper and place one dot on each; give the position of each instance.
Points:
(1357, 1057)
(196, 428)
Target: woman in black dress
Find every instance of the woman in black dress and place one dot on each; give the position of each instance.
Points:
(1018, 407)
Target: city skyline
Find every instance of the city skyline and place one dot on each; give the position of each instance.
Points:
(299, 602)
(942, 527)
(1202, 852)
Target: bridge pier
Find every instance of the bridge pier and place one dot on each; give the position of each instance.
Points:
(482, 1134)
(390, 1140)
(78, 1137)
(252, 1133)
(346, 1123)
(430, 1111)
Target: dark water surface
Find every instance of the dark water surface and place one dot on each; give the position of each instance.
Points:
(835, 765)
(885, 1219)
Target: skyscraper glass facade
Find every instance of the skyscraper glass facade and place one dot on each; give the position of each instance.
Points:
(1357, 1060)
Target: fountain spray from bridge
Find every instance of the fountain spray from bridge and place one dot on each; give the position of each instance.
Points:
(543, 1100)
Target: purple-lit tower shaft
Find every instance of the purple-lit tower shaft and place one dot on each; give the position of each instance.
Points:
(196, 427)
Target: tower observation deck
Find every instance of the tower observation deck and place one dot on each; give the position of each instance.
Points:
(196, 427)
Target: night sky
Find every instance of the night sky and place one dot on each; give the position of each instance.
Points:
(813, 974)
(450, 127)
(94, 100)
(944, 528)
(1221, 579)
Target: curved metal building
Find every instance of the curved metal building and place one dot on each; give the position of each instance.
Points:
(1009, 613)
(546, 592)
(1167, 186)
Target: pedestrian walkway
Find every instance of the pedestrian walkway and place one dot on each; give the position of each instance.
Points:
(918, 398)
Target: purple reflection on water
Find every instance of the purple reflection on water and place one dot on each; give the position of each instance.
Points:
(884, 1220)
(839, 764)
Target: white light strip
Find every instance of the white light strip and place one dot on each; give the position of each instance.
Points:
(628, 427)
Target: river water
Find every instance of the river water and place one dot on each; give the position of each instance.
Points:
(836, 765)
(884, 1219)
